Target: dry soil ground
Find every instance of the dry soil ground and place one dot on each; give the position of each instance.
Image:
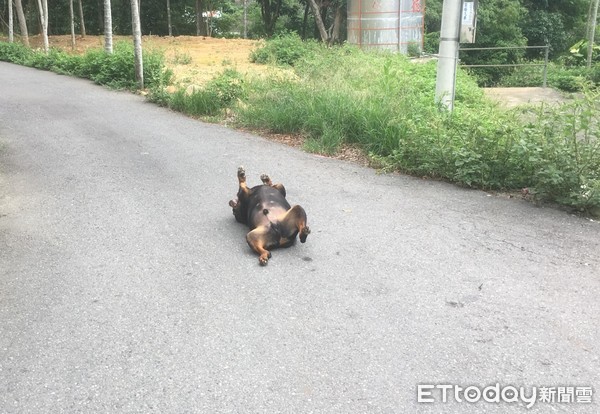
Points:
(194, 60)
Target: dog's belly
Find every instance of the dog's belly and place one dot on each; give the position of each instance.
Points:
(274, 214)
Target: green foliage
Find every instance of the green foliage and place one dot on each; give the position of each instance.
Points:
(114, 70)
(498, 25)
(579, 53)
(284, 49)
(198, 103)
(221, 92)
(541, 28)
(565, 78)
(564, 153)
(227, 87)
(431, 42)
(15, 53)
(384, 103)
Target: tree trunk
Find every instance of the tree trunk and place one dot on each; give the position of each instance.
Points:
(208, 18)
(169, 17)
(81, 19)
(137, 43)
(592, 32)
(11, 34)
(245, 19)
(337, 22)
(108, 46)
(72, 16)
(43, 7)
(269, 12)
(22, 23)
(198, 17)
(305, 21)
(318, 20)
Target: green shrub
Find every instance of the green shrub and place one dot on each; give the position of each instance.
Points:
(283, 49)
(431, 42)
(566, 159)
(14, 52)
(227, 87)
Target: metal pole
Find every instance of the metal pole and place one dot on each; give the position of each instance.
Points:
(448, 53)
(546, 66)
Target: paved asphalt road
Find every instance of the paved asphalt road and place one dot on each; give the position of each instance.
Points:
(126, 285)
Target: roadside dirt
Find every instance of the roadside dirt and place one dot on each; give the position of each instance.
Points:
(511, 97)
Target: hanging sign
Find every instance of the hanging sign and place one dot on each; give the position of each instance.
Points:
(468, 21)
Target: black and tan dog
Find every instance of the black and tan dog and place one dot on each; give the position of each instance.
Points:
(273, 222)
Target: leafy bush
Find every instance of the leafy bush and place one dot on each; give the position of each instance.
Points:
(283, 49)
(14, 52)
(431, 42)
(564, 153)
(227, 87)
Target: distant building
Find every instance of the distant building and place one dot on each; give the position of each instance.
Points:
(395, 25)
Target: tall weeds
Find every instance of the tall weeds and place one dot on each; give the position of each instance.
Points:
(384, 103)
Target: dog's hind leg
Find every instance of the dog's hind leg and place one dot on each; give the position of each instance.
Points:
(295, 220)
(259, 239)
(267, 181)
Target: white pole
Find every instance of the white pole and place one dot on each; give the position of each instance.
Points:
(448, 53)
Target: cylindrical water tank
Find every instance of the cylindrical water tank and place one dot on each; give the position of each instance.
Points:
(386, 24)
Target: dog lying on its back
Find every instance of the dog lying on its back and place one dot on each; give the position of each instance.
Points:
(272, 221)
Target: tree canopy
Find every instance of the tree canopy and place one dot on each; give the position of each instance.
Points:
(559, 23)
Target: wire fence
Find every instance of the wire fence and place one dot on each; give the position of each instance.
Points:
(545, 64)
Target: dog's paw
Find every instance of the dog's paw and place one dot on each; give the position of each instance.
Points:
(241, 173)
(266, 179)
(304, 234)
(263, 260)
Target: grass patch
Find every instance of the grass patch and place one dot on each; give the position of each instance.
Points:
(210, 100)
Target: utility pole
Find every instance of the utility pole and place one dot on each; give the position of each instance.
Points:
(448, 53)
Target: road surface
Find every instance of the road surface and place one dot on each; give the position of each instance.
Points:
(126, 285)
